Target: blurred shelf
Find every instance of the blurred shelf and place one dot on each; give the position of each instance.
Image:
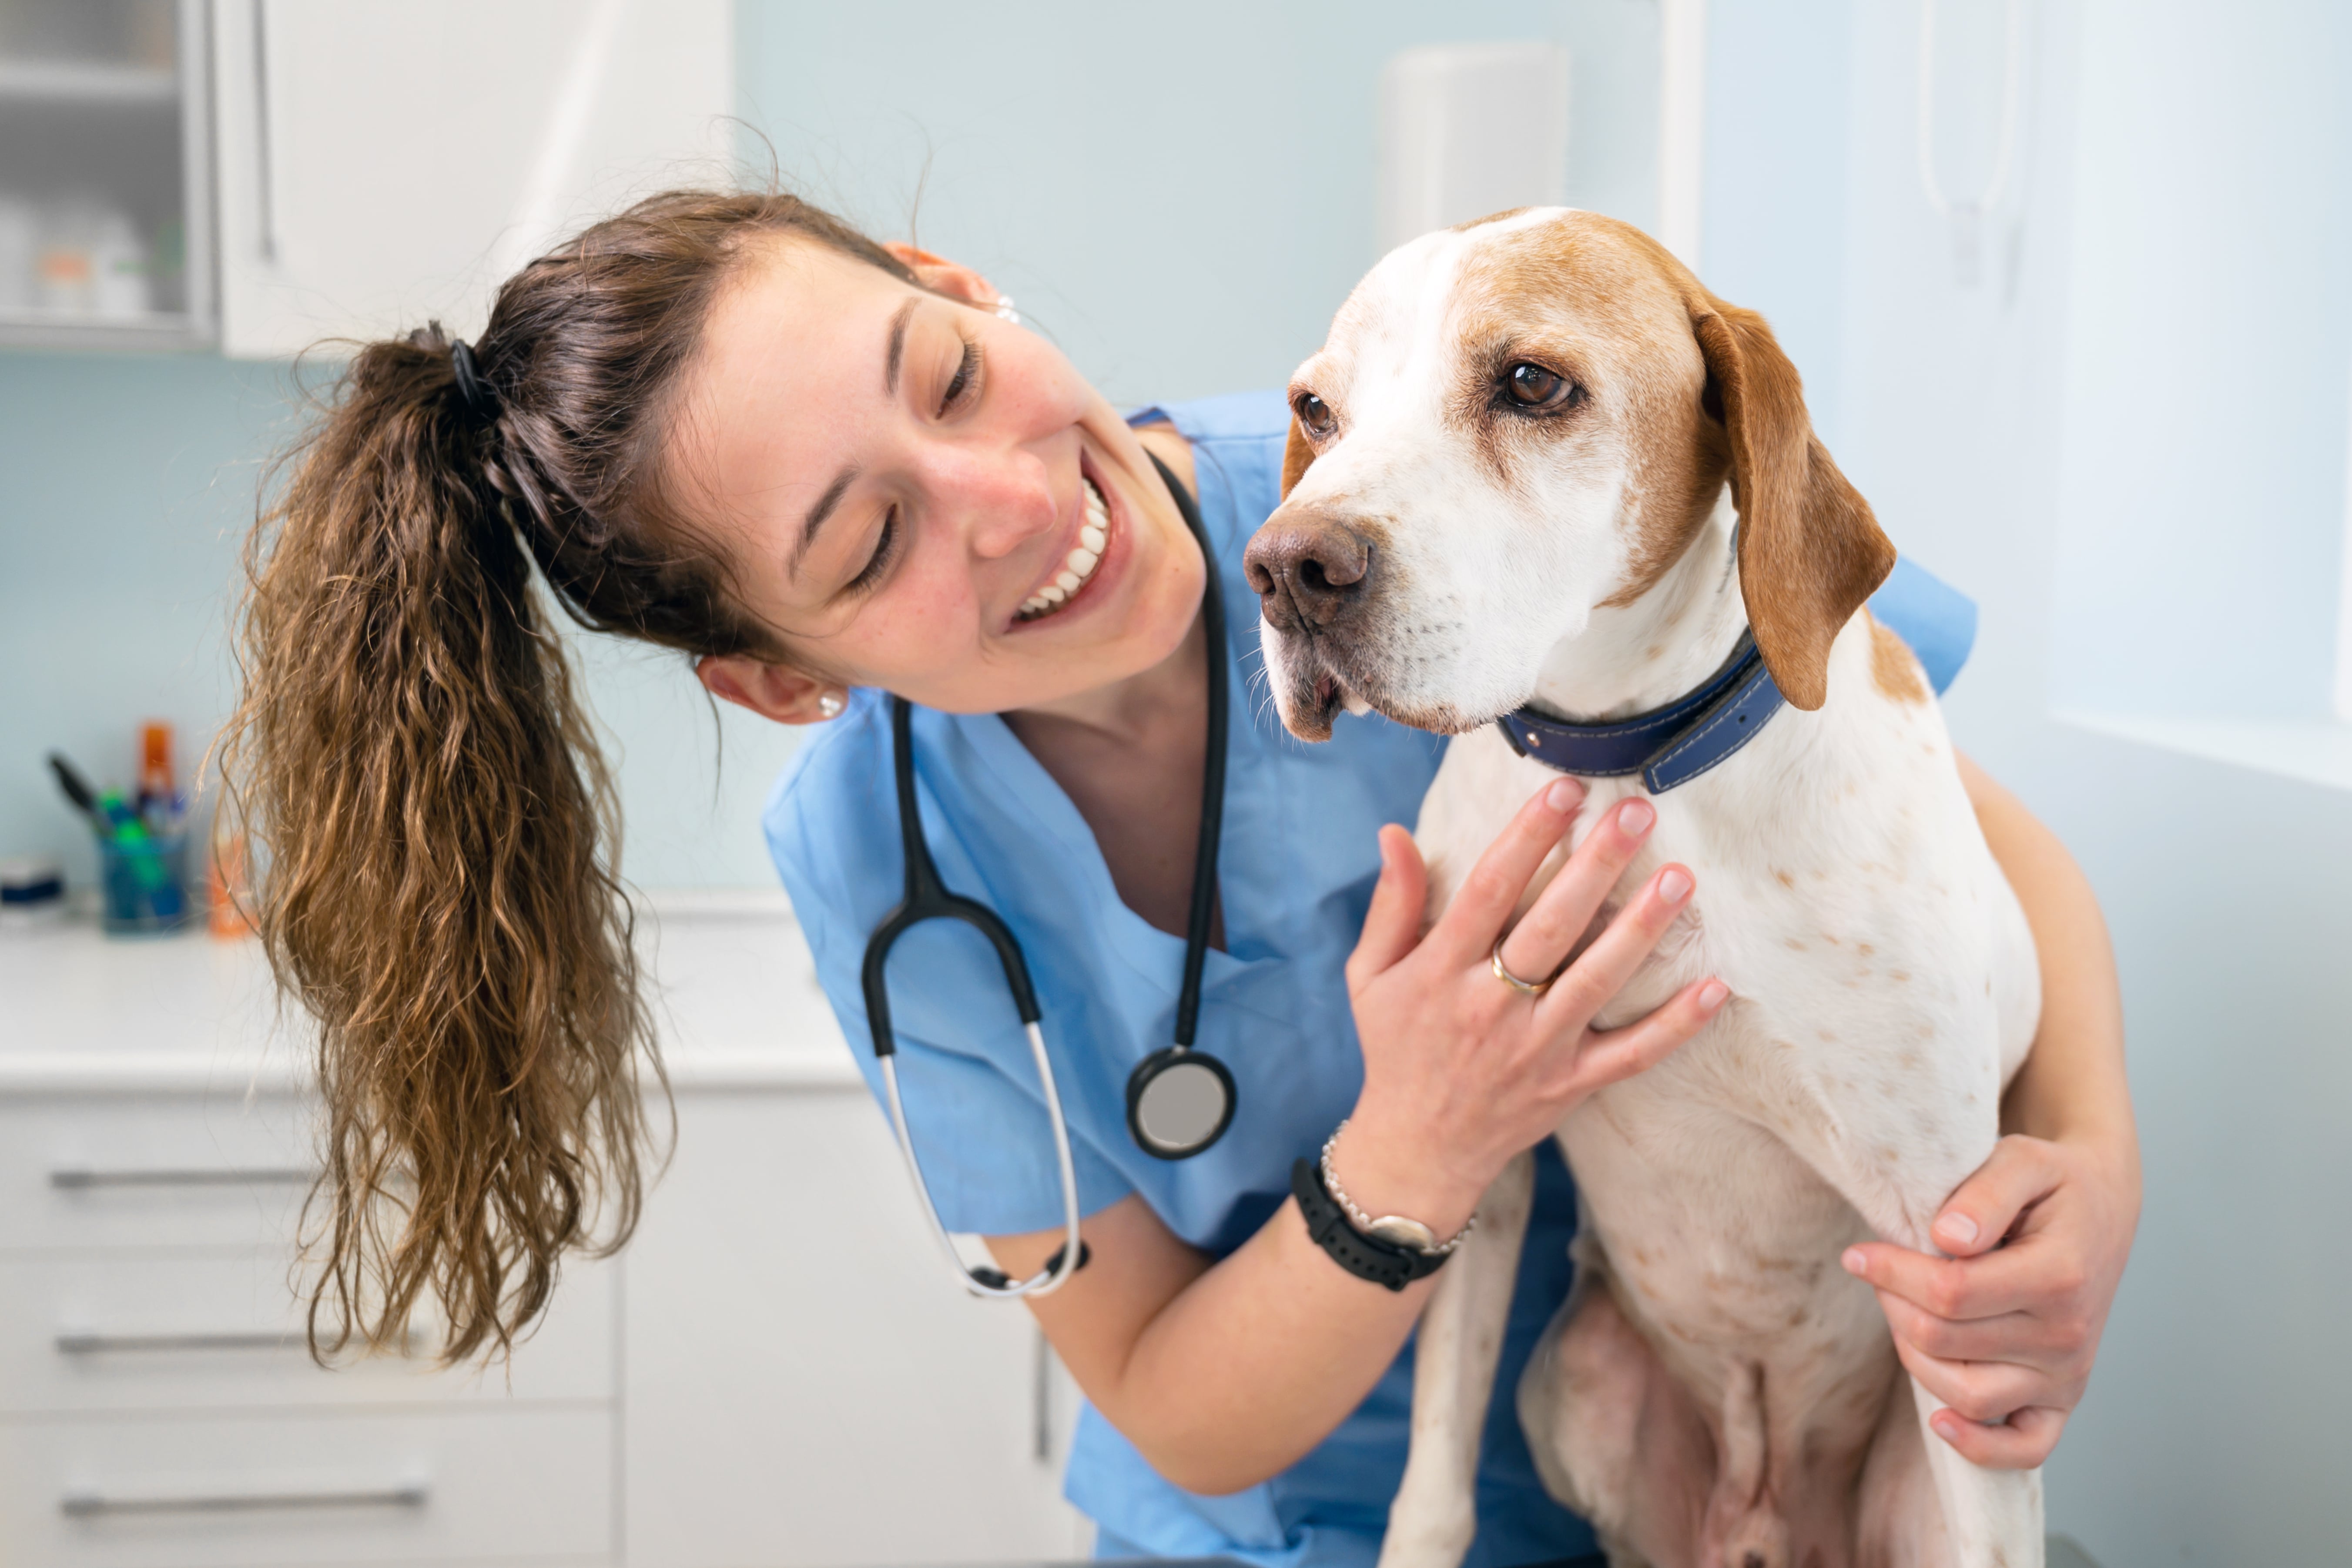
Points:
(86, 82)
(73, 330)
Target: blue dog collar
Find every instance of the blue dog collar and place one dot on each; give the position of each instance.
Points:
(1667, 746)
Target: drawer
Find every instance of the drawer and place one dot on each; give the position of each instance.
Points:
(161, 1331)
(191, 1492)
(163, 1171)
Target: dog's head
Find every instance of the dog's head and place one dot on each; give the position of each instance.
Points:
(1513, 425)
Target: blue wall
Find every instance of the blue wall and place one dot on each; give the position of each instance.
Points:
(1179, 198)
(2173, 236)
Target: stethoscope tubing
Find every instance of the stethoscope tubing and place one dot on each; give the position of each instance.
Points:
(1063, 1264)
(927, 899)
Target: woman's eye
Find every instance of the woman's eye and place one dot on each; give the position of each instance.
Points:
(885, 545)
(1533, 387)
(966, 372)
(1315, 413)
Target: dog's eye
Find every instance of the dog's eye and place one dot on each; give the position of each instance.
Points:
(1532, 387)
(1315, 413)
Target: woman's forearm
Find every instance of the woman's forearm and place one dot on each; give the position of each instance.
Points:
(2072, 1087)
(1221, 1377)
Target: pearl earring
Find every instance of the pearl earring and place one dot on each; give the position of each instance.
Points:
(1004, 311)
(830, 704)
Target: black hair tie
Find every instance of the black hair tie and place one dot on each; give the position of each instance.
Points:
(479, 400)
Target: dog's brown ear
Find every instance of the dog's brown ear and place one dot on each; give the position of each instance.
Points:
(1296, 455)
(1810, 551)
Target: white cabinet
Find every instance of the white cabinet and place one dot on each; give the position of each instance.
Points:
(381, 162)
(807, 1383)
(778, 1370)
(105, 192)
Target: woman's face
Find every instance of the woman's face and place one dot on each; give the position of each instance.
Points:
(920, 496)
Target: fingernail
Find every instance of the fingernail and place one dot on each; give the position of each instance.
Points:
(1673, 885)
(1958, 1227)
(1855, 1260)
(1633, 817)
(1712, 994)
(1383, 842)
(1563, 795)
(1947, 1425)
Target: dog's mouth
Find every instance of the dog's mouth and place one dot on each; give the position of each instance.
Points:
(1315, 688)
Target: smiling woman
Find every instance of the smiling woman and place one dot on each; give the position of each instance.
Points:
(844, 483)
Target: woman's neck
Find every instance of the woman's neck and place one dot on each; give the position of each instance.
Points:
(1130, 755)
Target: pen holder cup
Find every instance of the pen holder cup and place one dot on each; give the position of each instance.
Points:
(146, 885)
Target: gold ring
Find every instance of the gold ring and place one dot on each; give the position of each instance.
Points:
(1524, 987)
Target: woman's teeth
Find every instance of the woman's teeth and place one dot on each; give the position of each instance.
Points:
(1081, 562)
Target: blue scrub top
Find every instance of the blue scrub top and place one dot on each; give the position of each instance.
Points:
(1296, 872)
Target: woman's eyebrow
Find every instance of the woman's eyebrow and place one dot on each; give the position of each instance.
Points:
(816, 516)
(897, 350)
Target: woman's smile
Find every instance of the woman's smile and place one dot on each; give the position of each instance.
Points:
(1085, 550)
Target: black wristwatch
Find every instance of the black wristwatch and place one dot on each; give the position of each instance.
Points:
(1373, 1257)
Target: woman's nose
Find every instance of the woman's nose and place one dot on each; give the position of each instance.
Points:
(1004, 496)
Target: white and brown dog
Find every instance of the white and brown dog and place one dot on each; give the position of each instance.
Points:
(1507, 485)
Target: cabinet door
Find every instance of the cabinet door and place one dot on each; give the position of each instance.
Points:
(381, 162)
(803, 1381)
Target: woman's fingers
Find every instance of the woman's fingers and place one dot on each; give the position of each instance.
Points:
(1605, 1058)
(1545, 935)
(1601, 970)
(2018, 1337)
(1488, 895)
(2014, 1279)
(2020, 1173)
(1984, 1390)
(2022, 1442)
(1393, 924)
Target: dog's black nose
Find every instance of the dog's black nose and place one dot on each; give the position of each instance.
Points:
(1308, 570)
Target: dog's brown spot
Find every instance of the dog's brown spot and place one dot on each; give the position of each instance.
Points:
(1828, 938)
(1827, 1039)
(1785, 879)
(1892, 670)
(1900, 976)
(1865, 949)
(1297, 457)
(1795, 945)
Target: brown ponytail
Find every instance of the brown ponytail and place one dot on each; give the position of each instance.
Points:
(438, 889)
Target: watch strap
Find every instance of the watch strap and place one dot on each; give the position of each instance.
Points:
(1366, 1257)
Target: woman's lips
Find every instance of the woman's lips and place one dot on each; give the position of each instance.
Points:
(1082, 559)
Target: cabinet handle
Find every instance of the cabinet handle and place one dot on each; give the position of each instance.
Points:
(79, 1179)
(104, 1344)
(264, 204)
(93, 1505)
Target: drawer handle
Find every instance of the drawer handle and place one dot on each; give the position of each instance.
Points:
(94, 1505)
(104, 1344)
(80, 1179)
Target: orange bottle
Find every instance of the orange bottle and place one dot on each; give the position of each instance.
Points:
(157, 787)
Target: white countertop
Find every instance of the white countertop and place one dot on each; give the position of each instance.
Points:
(736, 1000)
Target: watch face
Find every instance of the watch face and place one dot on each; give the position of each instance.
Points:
(1403, 1232)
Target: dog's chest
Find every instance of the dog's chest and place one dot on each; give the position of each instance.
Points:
(1842, 893)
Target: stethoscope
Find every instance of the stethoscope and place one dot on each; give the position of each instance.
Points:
(1180, 1100)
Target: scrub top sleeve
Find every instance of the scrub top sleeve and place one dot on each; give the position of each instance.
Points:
(1936, 619)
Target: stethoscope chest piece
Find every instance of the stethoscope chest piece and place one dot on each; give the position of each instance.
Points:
(1179, 1101)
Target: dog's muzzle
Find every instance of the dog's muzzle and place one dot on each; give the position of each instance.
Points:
(1311, 572)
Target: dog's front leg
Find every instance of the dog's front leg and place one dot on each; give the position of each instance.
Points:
(1435, 1513)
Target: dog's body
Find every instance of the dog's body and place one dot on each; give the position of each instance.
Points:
(1719, 1392)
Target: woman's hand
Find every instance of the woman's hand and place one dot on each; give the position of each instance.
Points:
(1462, 1071)
(2005, 1329)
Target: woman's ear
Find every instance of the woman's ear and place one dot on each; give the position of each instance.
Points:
(941, 276)
(776, 691)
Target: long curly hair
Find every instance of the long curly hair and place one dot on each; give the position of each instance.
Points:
(436, 883)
